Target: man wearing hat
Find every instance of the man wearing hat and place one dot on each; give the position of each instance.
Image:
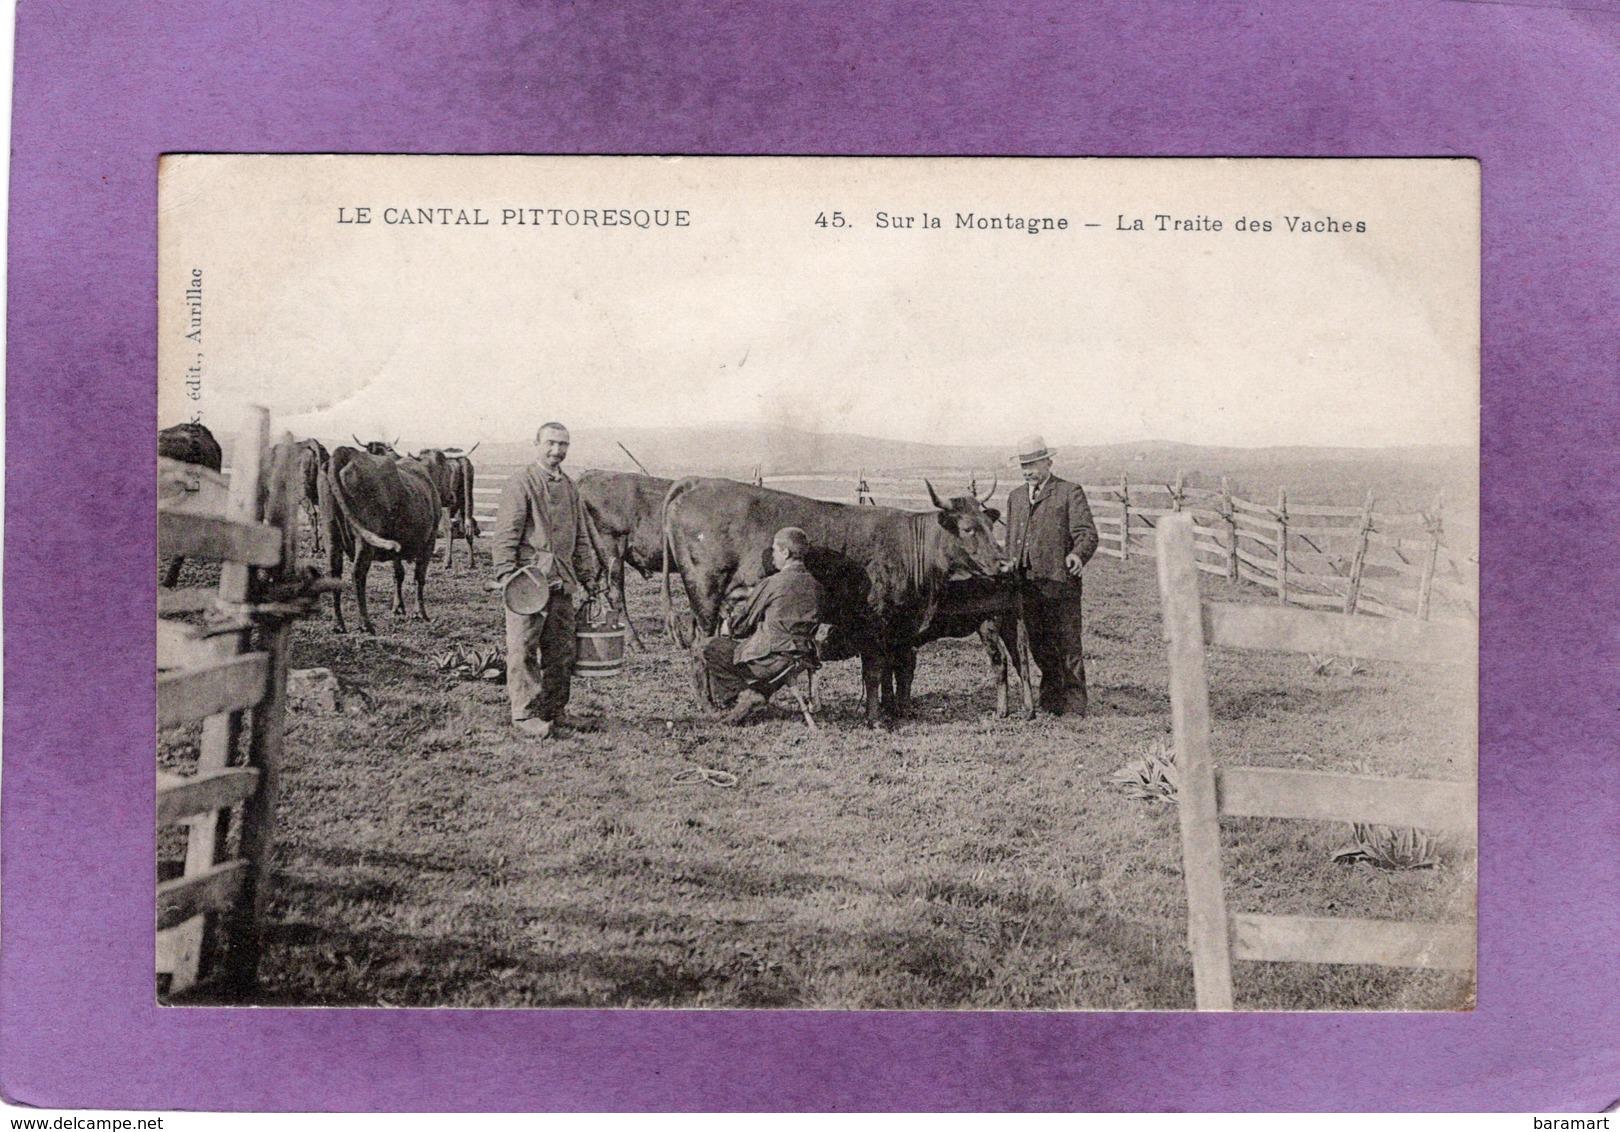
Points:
(543, 560)
(1051, 536)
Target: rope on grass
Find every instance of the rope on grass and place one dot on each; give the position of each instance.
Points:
(693, 775)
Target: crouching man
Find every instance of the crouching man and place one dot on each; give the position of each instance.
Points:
(776, 631)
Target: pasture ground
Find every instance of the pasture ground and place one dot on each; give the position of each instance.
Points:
(429, 855)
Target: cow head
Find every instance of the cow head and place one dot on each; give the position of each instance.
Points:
(433, 462)
(378, 447)
(974, 547)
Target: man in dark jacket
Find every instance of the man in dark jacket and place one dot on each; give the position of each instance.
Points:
(1051, 536)
(541, 524)
(775, 631)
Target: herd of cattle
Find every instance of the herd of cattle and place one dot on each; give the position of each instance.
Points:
(894, 580)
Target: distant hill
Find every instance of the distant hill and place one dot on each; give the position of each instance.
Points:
(1411, 475)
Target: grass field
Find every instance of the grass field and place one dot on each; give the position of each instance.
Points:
(428, 855)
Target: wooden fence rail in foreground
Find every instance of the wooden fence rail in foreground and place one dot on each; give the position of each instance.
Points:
(206, 675)
(1206, 792)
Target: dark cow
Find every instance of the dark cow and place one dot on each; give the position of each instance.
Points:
(463, 523)
(190, 443)
(310, 459)
(625, 511)
(986, 607)
(452, 476)
(378, 447)
(382, 508)
(883, 570)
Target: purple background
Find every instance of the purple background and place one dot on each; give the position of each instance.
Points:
(102, 89)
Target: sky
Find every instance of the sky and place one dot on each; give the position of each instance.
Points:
(317, 300)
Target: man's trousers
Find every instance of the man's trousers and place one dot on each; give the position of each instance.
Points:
(1052, 616)
(540, 660)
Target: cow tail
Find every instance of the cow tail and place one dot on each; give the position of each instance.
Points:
(350, 522)
(667, 535)
(468, 522)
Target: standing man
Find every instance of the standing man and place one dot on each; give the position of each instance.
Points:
(541, 525)
(1051, 536)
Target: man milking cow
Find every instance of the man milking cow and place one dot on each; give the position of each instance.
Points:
(1050, 538)
(544, 562)
(772, 638)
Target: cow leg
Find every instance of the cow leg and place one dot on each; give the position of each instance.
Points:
(421, 585)
(1000, 662)
(445, 519)
(334, 569)
(172, 578)
(399, 588)
(362, 567)
(905, 671)
(879, 678)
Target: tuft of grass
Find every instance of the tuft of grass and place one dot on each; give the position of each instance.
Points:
(1152, 777)
(1389, 847)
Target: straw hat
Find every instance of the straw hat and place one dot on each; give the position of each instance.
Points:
(1032, 449)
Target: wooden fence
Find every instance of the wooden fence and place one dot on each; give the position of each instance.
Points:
(1352, 559)
(226, 666)
(1207, 791)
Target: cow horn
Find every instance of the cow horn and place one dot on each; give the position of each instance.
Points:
(932, 494)
(991, 494)
(473, 449)
(358, 441)
(395, 445)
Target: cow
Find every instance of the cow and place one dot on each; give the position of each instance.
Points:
(382, 508)
(190, 443)
(378, 447)
(883, 570)
(989, 608)
(452, 476)
(309, 464)
(625, 511)
(463, 523)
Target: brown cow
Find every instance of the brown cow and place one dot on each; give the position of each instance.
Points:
(190, 443)
(378, 507)
(884, 570)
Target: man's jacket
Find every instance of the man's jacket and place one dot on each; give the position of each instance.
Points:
(781, 616)
(1056, 524)
(542, 519)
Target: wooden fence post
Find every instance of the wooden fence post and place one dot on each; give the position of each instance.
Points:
(206, 834)
(245, 929)
(1282, 546)
(1124, 518)
(1433, 524)
(1208, 934)
(1227, 513)
(1176, 492)
(1359, 563)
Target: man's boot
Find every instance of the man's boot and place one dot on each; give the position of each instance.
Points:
(746, 702)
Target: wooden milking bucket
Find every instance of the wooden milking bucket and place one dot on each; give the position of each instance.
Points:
(598, 645)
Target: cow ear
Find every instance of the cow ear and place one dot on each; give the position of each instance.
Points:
(995, 516)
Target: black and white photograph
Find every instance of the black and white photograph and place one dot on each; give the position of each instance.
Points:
(805, 583)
